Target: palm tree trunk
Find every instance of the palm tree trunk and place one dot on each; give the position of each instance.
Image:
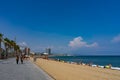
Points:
(0, 44)
(1, 36)
(6, 56)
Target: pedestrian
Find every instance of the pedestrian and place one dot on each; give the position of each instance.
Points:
(34, 58)
(17, 58)
(21, 58)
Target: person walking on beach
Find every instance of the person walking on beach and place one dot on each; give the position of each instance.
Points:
(17, 58)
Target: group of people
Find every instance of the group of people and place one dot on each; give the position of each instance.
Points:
(21, 57)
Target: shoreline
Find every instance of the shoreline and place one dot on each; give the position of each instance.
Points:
(65, 71)
(91, 65)
(81, 61)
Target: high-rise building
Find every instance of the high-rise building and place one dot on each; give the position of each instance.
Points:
(27, 51)
(48, 50)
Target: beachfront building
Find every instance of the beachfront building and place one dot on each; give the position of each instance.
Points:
(27, 51)
(48, 50)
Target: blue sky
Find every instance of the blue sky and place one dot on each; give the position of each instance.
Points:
(85, 27)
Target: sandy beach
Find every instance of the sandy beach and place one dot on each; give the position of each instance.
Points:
(66, 71)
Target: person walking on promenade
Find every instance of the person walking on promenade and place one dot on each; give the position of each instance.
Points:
(21, 58)
(17, 58)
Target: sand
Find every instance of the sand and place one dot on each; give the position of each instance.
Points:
(66, 71)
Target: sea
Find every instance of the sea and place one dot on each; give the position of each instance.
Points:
(97, 60)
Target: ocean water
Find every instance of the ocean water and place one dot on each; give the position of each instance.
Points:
(98, 60)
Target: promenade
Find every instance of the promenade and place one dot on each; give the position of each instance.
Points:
(9, 70)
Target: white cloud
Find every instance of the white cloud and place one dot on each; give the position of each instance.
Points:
(116, 39)
(78, 43)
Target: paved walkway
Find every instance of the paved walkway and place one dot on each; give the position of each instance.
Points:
(9, 70)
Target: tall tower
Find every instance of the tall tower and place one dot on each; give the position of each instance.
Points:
(48, 50)
(27, 51)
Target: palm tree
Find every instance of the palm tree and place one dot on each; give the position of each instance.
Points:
(17, 49)
(10, 46)
(13, 44)
(7, 45)
(1, 50)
